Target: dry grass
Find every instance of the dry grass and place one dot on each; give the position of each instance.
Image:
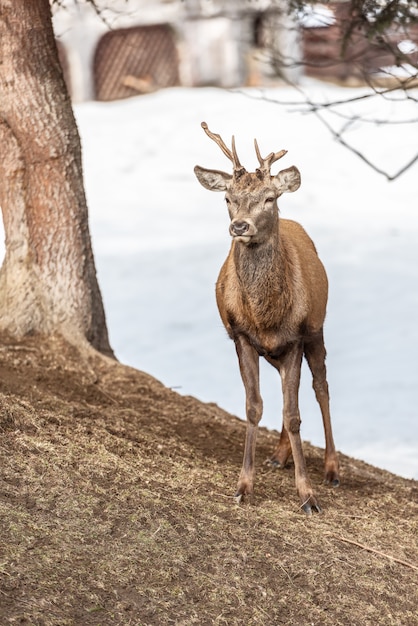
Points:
(116, 509)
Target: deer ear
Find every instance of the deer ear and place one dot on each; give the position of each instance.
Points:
(213, 180)
(287, 180)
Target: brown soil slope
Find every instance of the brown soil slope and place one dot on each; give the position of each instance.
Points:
(116, 508)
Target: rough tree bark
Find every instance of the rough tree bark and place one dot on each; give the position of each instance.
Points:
(48, 279)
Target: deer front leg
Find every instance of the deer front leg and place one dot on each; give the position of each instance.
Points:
(249, 367)
(290, 375)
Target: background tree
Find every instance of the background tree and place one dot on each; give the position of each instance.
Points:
(48, 279)
(376, 43)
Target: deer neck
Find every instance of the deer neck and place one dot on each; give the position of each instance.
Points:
(261, 269)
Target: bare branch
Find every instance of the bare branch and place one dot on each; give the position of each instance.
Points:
(307, 105)
(338, 136)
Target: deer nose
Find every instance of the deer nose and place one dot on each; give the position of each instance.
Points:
(239, 228)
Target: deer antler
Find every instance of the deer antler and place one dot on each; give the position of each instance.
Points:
(267, 162)
(232, 156)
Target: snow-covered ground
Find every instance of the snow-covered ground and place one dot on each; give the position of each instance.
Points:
(160, 239)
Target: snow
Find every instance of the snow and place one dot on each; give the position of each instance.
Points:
(160, 238)
(316, 16)
(407, 46)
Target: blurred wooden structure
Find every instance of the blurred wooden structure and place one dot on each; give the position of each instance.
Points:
(128, 47)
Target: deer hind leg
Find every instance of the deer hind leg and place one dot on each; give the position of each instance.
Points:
(315, 354)
(249, 368)
(283, 451)
(290, 365)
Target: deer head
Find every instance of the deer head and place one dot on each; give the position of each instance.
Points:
(251, 196)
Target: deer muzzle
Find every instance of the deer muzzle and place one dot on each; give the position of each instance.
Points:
(242, 230)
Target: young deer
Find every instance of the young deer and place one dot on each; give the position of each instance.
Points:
(271, 294)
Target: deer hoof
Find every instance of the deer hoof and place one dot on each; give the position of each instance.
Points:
(310, 508)
(275, 463)
(238, 498)
(332, 480)
(242, 497)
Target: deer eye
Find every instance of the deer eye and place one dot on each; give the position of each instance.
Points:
(269, 199)
(227, 200)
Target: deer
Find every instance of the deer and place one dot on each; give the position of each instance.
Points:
(272, 293)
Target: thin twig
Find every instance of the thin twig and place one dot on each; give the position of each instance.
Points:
(360, 155)
(369, 549)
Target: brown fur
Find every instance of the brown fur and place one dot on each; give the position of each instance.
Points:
(272, 294)
(268, 292)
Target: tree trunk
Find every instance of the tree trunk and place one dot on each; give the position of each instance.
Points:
(48, 279)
